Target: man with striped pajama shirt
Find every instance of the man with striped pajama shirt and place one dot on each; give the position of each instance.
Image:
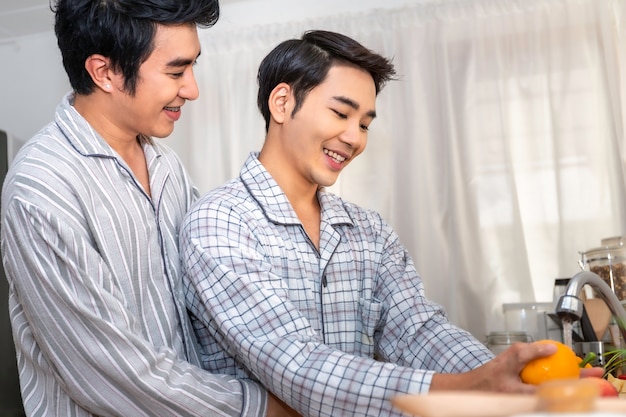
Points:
(90, 213)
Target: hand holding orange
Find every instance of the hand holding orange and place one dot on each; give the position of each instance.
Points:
(562, 364)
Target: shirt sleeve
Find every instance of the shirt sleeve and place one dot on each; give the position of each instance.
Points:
(224, 271)
(69, 316)
(415, 331)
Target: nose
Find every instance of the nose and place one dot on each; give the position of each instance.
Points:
(354, 136)
(189, 89)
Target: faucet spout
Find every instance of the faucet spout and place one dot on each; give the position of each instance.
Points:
(570, 305)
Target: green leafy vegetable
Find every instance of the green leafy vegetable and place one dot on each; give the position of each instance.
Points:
(616, 360)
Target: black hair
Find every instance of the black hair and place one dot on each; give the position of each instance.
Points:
(122, 30)
(304, 64)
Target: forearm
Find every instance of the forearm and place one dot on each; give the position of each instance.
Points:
(416, 331)
(128, 381)
(437, 345)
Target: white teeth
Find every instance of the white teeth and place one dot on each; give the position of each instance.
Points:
(334, 155)
(172, 108)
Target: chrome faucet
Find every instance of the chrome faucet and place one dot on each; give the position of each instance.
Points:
(570, 306)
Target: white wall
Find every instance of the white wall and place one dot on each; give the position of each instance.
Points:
(32, 79)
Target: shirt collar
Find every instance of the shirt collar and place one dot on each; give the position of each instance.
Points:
(274, 203)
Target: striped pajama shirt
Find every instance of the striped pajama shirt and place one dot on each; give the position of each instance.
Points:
(95, 296)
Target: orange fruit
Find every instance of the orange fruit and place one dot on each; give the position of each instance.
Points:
(562, 364)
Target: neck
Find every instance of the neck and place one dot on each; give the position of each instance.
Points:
(296, 188)
(97, 111)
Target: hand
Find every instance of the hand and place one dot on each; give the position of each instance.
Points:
(277, 408)
(500, 374)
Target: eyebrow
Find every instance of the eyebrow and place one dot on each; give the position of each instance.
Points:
(181, 62)
(353, 104)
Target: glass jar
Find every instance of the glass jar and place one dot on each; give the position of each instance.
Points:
(498, 342)
(527, 318)
(608, 262)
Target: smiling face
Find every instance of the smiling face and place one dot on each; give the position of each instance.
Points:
(166, 81)
(311, 148)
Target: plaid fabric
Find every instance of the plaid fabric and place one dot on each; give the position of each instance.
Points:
(306, 323)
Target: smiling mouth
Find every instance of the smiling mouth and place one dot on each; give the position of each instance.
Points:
(338, 158)
(174, 109)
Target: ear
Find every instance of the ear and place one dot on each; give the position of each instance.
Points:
(280, 102)
(99, 68)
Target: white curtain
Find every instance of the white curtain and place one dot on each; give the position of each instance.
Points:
(497, 155)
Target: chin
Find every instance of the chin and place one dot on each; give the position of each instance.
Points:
(326, 182)
(162, 134)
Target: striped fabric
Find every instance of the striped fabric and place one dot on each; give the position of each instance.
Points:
(308, 323)
(95, 295)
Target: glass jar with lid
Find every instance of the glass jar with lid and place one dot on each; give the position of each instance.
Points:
(608, 262)
(498, 342)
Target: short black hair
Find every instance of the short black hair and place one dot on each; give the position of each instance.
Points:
(304, 64)
(122, 30)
